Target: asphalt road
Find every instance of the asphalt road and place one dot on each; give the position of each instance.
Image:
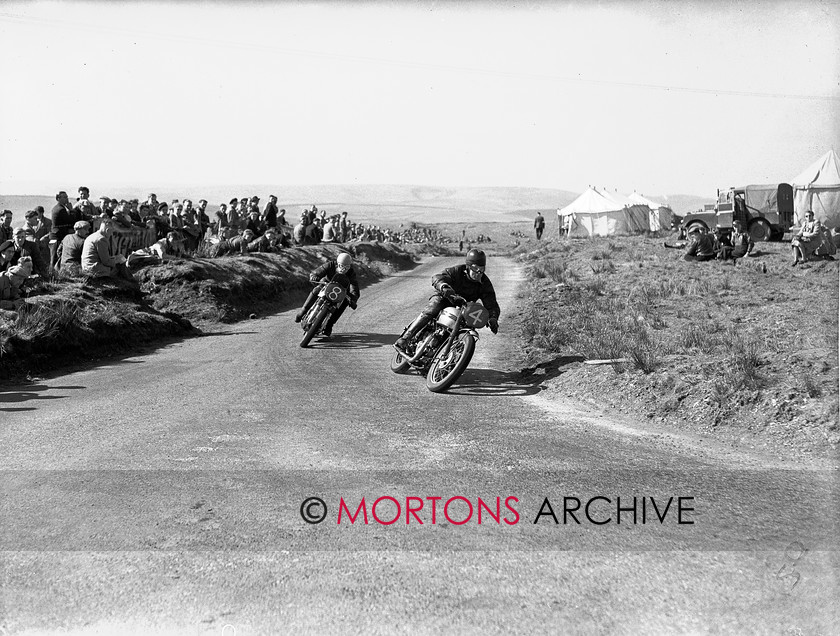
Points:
(162, 493)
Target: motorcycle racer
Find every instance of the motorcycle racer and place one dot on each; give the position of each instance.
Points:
(339, 270)
(454, 286)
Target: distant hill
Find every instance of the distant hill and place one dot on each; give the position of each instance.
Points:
(382, 204)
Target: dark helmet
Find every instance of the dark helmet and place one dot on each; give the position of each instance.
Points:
(476, 257)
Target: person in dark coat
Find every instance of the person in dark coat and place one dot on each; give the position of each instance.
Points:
(340, 269)
(454, 286)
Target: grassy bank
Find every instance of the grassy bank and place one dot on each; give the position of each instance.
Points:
(70, 320)
(747, 349)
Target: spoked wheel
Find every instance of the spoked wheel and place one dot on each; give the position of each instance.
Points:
(444, 371)
(315, 327)
(399, 363)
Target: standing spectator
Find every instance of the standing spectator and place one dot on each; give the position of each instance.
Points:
(70, 250)
(84, 205)
(299, 231)
(97, 259)
(269, 216)
(63, 217)
(539, 225)
(40, 233)
(233, 213)
(152, 201)
(6, 228)
(221, 220)
(343, 228)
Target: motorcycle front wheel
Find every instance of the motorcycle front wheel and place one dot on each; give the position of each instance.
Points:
(444, 371)
(399, 363)
(315, 327)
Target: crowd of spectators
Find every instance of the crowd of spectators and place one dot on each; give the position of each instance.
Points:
(78, 238)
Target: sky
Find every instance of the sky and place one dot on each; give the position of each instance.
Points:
(657, 97)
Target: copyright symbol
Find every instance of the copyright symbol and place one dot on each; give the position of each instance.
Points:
(309, 511)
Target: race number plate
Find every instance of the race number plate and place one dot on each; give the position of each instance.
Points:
(334, 293)
(475, 315)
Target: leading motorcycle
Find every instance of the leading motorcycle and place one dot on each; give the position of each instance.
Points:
(330, 297)
(442, 350)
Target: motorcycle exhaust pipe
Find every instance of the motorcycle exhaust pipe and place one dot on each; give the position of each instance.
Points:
(418, 352)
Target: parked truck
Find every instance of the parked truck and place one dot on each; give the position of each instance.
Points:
(765, 210)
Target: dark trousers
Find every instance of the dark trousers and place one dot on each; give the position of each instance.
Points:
(539, 232)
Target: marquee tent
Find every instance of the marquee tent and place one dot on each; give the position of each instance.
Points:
(817, 188)
(602, 213)
(661, 215)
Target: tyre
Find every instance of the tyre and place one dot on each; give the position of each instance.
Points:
(760, 230)
(315, 327)
(443, 373)
(398, 363)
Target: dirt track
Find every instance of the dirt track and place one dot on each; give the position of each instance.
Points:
(162, 492)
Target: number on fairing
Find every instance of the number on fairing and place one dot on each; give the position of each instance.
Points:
(334, 293)
(475, 315)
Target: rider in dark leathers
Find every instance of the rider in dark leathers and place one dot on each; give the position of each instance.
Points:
(342, 265)
(455, 285)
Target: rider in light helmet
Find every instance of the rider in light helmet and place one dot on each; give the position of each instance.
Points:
(343, 263)
(454, 286)
(341, 267)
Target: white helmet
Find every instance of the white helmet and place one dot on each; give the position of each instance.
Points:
(343, 262)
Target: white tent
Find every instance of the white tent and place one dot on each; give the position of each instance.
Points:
(661, 214)
(817, 188)
(601, 213)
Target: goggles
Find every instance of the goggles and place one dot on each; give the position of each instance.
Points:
(477, 269)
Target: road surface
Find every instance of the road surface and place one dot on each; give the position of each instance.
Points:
(163, 493)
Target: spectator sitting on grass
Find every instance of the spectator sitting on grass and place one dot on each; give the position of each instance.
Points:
(70, 250)
(254, 223)
(10, 283)
(813, 239)
(7, 251)
(740, 244)
(701, 246)
(97, 259)
(168, 248)
(27, 247)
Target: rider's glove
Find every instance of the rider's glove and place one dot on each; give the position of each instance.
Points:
(494, 325)
(457, 300)
(313, 279)
(352, 303)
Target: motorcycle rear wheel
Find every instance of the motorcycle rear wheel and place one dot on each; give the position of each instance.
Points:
(315, 327)
(442, 374)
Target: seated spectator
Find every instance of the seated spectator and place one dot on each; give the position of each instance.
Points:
(11, 282)
(740, 243)
(330, 232)
(7, 251)
(97, 259)
(70, 250)
(26, 247)
(812, 240)
(254, 223)
(281, 218)
(169, 248)
(701, 246)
